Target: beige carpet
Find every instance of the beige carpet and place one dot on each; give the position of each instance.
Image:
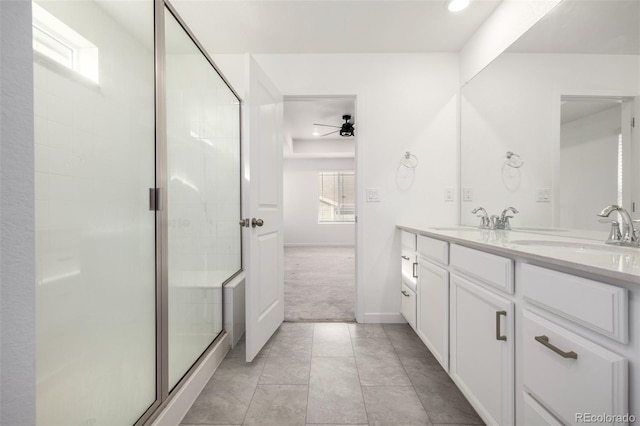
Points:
(319, 284)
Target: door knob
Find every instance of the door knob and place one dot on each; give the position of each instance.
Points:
(244, 222)
(256, 222)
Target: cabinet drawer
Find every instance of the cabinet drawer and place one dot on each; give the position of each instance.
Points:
(408, 240)
(488, 268)
(581, 378)
(433, 249)
(408, 305)
(600, 307)
(409, 267)
(536, 414)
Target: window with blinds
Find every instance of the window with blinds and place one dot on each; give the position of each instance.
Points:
(336, 197)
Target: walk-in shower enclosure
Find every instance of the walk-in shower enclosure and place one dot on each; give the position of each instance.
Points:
(137, 157)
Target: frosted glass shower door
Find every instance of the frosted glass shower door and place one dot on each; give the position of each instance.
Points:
(95, 235)
(203, 193)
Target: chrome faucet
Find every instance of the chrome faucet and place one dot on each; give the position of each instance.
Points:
(627, 235)
(504, 219)
(485, 222)
(494, 221)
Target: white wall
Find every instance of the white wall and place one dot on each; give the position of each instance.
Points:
(514, 105)
(405, 102)
(507, 23)
(17, 264)
(589, 172)
(301, 225)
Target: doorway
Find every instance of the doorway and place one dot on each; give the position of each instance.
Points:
(594, 130)
(319, 180)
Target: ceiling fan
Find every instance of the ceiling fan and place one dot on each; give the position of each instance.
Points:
(346, 130)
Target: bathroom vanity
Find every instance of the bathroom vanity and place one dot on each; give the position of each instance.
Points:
(534, 328)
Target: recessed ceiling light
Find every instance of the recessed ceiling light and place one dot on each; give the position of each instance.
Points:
(457, 5)
(316, 133)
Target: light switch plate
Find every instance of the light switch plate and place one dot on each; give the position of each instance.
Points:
(543, 195)
(467, 193)
(448, 194)
(373, 195)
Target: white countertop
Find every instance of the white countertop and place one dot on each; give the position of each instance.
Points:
(564, 250)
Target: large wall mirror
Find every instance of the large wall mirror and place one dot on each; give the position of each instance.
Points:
(547, 126)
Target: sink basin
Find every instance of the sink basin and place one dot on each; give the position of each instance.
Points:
(577, 246)
(533, 229)
(454, 228)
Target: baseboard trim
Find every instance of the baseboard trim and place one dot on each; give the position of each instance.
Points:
(384, 318)
(180, 403)
(318, 245)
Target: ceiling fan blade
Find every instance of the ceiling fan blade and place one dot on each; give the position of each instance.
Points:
(330, 133)
(327, 125)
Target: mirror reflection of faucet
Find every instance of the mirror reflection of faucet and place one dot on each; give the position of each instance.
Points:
(494, 221)
(622, 232)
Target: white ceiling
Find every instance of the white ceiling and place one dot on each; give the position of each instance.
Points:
(300, 114)
(328, 26)
(331, 26)
(586, 26)
(574, 109)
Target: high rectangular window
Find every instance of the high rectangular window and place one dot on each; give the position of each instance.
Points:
(56, 41)
(336, 197)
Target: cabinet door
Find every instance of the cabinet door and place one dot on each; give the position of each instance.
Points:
(482, 349)
(433, 310)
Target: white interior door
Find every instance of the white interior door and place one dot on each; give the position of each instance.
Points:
(265, 253)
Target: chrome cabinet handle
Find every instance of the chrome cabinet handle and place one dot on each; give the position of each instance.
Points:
(499, 335)
(404, 293)
(256, 222)
(545, 341)
(415, 270)
(405, 257)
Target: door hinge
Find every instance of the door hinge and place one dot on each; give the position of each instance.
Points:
(154, 199)
(633, 122)
(633, 207)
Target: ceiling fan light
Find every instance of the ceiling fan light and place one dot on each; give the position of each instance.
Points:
(346, 130)
(457, 5)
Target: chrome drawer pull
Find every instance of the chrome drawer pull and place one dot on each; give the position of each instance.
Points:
(545, 341)
(498, 334)
(404, 293)
(405, 257)
(415, 270)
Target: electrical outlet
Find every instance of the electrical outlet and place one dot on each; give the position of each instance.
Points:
(467, 193)
(448, 194)
(373, 195)
(543, 195)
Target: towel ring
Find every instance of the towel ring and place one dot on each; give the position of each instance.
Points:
(409, 160)
(513, 160)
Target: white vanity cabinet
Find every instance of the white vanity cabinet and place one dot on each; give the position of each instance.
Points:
(482, 341)
(528, 339)
(433, 297)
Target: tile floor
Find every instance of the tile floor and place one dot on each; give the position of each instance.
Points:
(333, 373)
